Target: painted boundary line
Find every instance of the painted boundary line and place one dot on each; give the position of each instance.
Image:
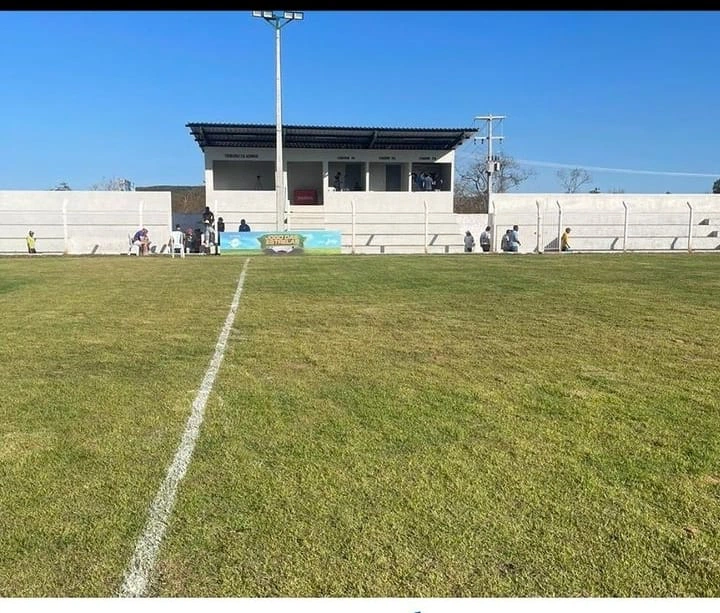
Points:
(143, 561)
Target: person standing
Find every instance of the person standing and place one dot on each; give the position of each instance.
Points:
(505, 241)
(565, 240)
(485, 239)
(515, 239)
(30, 240)
(220, 230)
(243, 227)
(208, 218)
(469, 241)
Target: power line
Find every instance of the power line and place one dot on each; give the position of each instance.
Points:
(623, 170)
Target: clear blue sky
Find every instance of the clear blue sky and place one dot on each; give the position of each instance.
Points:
(92, 95)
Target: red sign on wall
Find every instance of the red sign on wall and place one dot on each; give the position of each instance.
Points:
(305, 196)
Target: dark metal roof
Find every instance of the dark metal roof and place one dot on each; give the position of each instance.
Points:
(328, 137)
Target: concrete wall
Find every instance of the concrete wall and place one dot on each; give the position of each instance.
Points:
(82, 222)
(77, 222)
(417, 222)
(610, 222)
(372, 222)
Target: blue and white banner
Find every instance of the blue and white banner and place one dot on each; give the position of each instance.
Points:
(292, 242)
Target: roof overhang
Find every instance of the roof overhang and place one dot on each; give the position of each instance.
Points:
(328, 137)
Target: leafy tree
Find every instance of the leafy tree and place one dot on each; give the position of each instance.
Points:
(472, 182)
(573, 180)
(62, 187)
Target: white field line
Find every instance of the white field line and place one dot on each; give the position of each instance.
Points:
(143, 561)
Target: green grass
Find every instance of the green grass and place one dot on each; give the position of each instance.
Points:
(382, 426)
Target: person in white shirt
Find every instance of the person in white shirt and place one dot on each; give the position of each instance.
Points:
(177, 241)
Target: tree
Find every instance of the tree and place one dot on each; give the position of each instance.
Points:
(716, 187)
(573, 180)
(62, 187)
(114, 184)
(471, 184)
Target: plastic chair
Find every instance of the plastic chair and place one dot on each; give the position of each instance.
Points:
(133, 249)
(177, 241)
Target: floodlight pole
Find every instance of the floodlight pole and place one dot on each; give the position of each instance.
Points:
(491, 167)
(277, 19)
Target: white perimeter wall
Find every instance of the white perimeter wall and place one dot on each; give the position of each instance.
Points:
(82, 222)
(85, 222)
(417, 222)
(610, 222)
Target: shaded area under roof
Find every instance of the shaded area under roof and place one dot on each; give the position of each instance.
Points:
(328, 137)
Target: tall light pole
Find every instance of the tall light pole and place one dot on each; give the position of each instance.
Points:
(492, 166)
(277, 19)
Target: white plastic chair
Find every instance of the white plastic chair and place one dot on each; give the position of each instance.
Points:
(133, 249)
(177, 241)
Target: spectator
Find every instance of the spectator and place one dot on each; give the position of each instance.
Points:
(485, 239)
(243, 226)
(208, 239)
(515, 239)
(30, 240)
(469, 241)
(189, 242)
(220, 226)
(337, 181)
(177, 241)
(505, 242)
(427, 182)
(142, 240)
(565, 240)
(208, 216)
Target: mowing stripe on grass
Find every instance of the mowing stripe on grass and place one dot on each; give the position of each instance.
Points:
(143, 561)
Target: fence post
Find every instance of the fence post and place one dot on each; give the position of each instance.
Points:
(559, 231)
(690, 226)
(493, 229)
(352, 225)
(425, 207)
(625, 226)
(65, 225)
(538, 247)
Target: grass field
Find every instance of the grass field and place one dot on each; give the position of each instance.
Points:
(381, 426)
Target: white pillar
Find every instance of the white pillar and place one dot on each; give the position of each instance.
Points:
(625, 226)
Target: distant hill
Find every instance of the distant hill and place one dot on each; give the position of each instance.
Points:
(183, 198)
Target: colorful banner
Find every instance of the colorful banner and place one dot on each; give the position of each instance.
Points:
(293, 242)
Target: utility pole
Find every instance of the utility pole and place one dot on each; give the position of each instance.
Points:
(492, 165)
